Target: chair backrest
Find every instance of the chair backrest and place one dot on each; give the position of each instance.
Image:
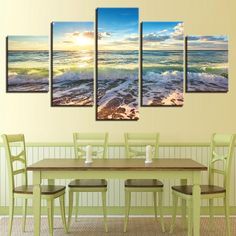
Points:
(133, 142)
(99, 141)
(11, 144)
(227, 141)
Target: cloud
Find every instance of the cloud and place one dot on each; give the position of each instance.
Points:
(155, 37)
(75, 39)
(68, 41)
(207, 38)
(178, 33)
(207, 42)
(88, 34)
(193, 38)
(132, 38)
(102, 35)
(70, 38)
(165, 34)
(163, 31)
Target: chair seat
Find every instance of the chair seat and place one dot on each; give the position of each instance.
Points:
(45, 189)
(143, 183)
(88, 183)
(205, 189)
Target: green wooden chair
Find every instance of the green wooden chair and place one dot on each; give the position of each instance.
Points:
(25, 191)
(99, 141)
(210, 191)
(133, 141)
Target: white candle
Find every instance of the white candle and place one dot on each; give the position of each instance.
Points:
(88, 154)
(148, 154)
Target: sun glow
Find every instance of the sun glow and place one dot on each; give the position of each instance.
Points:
(83, 41)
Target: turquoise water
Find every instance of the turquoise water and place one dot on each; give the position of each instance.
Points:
(117, 85)
(162, 78)
(73, 78)
(28, 71)
(207, 71)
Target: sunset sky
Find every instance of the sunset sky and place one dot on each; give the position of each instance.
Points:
(118, 28)
(73, 36)
(28, 43)
(163, 35)
(207, 42)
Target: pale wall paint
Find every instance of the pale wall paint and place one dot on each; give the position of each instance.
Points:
(201, 114)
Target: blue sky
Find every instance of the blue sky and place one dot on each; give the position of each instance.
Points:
(73, 35)
(118, 27)
(24, 42)
(163, 35)
(212, 42)
(61, 28)
(151, 27)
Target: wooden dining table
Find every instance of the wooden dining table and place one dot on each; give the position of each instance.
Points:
(51, 169)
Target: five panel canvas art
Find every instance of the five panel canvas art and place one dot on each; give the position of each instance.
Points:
(111, 49)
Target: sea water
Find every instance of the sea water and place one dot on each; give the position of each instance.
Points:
(117, 85)
(207, 70)
(28, 71)
(162, 78)
(73, 78)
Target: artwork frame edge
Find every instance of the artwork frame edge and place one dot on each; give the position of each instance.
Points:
(141, 70)
(186, 74)
(7, 70)
(96, 67)
(51, 73)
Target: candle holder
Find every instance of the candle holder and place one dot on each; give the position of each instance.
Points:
(88, 154)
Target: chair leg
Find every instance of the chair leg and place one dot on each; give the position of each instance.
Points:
(50, 203)
(63, 214)
(24, 214)
(183, 205)
(70, 208)
(211, 213)
(190, 218)
(76, 206)
(104, 206)
(160, 204)
(155, 204)
(127, 208)
(11, 213)
(183, 212)
(227, 214)
(175, 204)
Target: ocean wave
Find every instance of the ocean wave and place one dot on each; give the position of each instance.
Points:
(35, 72)
(206, 82)
(162, 89)
(26, 79)
(117, 73)
(117, 99)
(27, 83)
(217, 69)
(72, 88)
(72, 76)
(164, 76)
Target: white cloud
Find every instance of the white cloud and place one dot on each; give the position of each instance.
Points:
(155, 37)
(71, 37)
(178, 33)
(102, 35)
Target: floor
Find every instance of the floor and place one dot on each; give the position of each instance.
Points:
(94, 227)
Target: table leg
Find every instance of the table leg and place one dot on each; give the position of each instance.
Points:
(183, 203)
(196, 203)
(37, 202)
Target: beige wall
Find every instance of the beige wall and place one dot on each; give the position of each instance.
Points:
(201, 114)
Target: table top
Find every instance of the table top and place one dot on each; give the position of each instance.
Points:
(133, 164)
